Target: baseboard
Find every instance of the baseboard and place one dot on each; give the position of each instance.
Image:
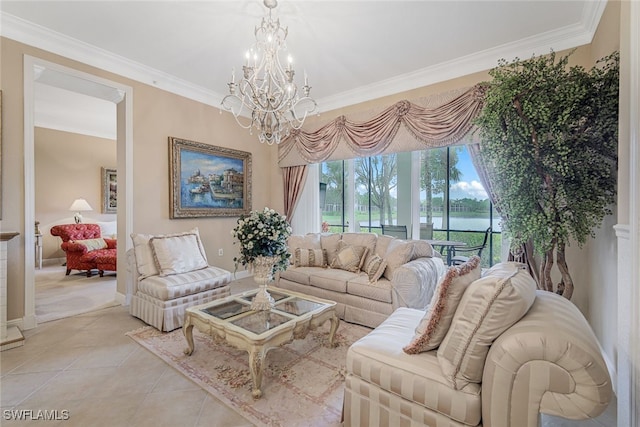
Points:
(241, 275)
(53, 261)
(19, 323)
(121, 298)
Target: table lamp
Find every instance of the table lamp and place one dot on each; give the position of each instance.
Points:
(79, 205)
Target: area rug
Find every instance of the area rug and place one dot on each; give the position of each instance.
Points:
(303, 383)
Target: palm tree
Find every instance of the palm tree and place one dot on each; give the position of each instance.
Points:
(434, 179)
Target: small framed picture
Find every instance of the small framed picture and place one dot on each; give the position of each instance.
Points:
(207, 180)
(109, 190)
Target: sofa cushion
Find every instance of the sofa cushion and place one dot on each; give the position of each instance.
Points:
(300, 275)
(307, 241)
(309, 257)
(349, 257)
(489, 306)
(379, 291)
(374, 266)
(437, 320)
(177, 254)
(332, 279)
(92, 244)
(398, 253)
(378, 359)
(178, 285)
(329, 242)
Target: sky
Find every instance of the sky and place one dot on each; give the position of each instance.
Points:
(469, 185)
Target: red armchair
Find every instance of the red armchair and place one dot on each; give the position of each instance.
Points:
(79, 253)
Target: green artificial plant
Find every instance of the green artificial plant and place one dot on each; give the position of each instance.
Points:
(549, 135)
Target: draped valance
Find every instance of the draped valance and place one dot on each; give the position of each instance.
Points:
(437, 126)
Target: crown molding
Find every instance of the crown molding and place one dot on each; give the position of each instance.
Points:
(565, 38)
(40, 37)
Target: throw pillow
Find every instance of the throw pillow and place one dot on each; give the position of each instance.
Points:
(145, 263)
(398, 253)
(329, 242)
(437, 320)
(374, 267)
(92, 244)
(489, 306)
(177, 254)
(382, 244)
(309, 257)
(349, 257)
(421, 249)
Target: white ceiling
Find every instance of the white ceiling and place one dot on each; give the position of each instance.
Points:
(352, 51)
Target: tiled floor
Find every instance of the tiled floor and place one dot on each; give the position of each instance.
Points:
(87, 366)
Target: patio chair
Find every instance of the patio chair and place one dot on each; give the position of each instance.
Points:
(399, 231)
(468, 251)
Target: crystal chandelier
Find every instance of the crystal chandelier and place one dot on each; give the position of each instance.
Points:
(267, 98)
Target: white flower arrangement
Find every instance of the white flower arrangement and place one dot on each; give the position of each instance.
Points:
(262, 233)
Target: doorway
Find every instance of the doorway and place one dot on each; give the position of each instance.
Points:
(41, 71)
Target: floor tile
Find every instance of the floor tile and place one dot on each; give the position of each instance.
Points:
(88, 366)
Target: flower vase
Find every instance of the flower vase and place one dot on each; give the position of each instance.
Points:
(262, 274)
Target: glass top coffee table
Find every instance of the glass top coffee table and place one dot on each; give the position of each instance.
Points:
(232, 320)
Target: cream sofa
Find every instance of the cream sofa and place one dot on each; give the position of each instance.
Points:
(547, 361)
(171, 273)
(410, 271)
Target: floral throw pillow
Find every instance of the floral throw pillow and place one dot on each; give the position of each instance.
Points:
(436, 322)
(349, 257)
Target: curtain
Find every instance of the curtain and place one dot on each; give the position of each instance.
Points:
(294, 178)
(524, 253)
(307, 217)
(438, 126)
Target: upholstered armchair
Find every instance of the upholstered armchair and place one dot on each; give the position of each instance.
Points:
(85, 248)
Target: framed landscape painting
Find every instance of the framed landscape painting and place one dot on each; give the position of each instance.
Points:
(109, 191)
(207, 180)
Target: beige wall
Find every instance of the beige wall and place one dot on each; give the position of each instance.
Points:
(157, 115)
(68, 166)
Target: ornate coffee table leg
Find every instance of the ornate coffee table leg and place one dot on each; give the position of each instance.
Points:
(187, 330)
(335, 322)
(256, 361)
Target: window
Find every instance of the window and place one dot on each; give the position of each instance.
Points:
(368, 192)
(333, 174)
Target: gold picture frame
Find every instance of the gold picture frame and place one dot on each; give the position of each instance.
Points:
(109, 191)
(208, 181)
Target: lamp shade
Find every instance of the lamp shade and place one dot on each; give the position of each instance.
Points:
(80, 205)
